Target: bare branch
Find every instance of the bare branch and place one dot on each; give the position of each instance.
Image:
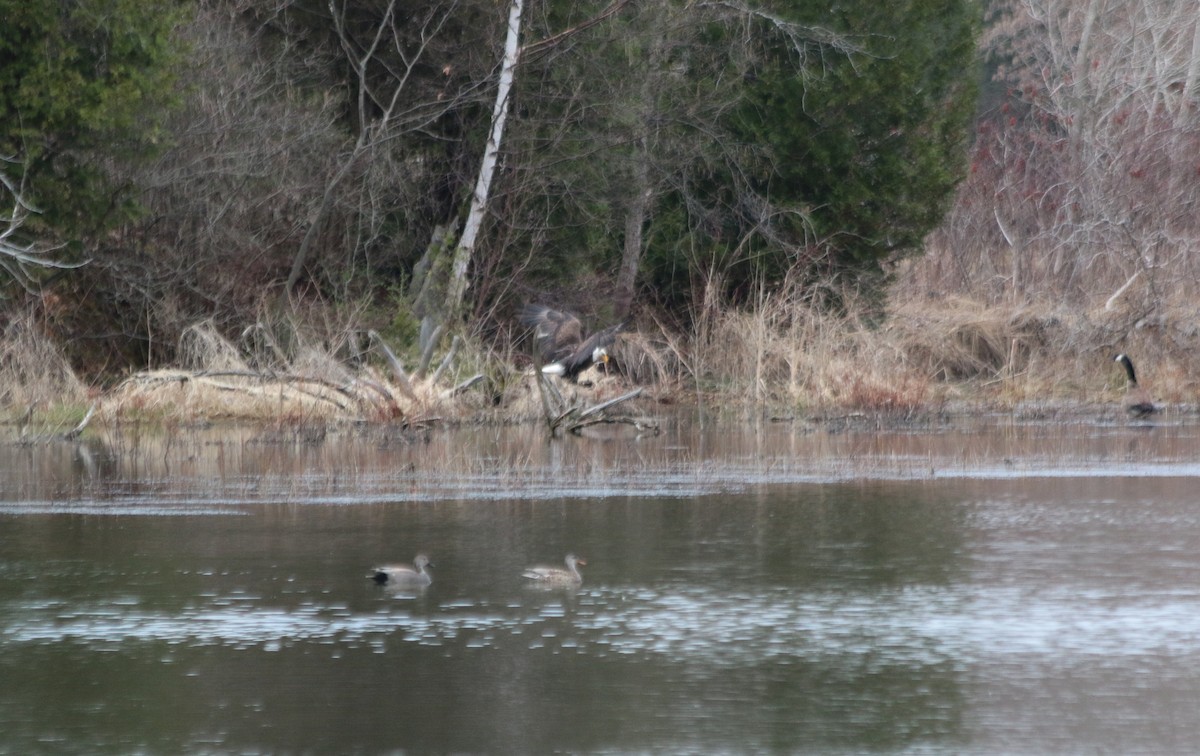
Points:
(801, 37)
(445, 363)
(535, 48)
(394, 362)
(18, 258)
(427, 354)
(83, 424)
(390, 124)
(598, 408)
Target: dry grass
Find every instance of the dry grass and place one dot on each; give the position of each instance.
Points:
(1010, 355)
(304, 383)
(927, 354)
(1065, 318)
(33, 372)
(786, 351)
(783, 354)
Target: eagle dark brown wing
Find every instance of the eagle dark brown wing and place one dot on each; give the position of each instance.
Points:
(600, 340)
(557, 334)
(560, 339)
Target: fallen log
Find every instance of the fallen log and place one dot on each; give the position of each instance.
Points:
(610, 403)
(75, 432)
(402, 379)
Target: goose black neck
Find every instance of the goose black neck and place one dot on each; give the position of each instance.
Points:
(1128, 363)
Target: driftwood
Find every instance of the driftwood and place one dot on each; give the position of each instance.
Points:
(268, 384)
(610, 403)
(576, 417)
(28, 439)
(376, 387)
(595, 415)
(427, 353)
(402, 379)
(640, 423)
(26, 419)
(295, 383)
(208, 378)
(437, 374)
(342, 390)
(460, 388)
(566, 418)
(75, 432)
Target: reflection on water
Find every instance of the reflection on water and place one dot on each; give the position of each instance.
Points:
(219, 470)
(990, 590)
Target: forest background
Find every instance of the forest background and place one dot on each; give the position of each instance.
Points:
(884, 206)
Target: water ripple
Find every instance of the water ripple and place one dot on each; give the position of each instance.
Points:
(908, 626)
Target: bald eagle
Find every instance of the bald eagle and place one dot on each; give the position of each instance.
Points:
(559, 338)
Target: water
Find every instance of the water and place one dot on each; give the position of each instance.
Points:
(995, 587)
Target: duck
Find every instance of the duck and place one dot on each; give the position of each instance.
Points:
(1137, 401)
(402, 574)
(560, 340)
(542, 575)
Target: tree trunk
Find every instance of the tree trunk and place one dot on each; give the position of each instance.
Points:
(318, 220)
(466, 244)
(631, 255)
(639, 203)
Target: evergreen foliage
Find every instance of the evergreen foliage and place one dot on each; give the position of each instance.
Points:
(83, 84)
(872, 143)
(727, 144)
(789, 139)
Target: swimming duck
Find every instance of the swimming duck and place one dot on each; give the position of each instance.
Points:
(557, 575)
(402, 574)
(1137, 401)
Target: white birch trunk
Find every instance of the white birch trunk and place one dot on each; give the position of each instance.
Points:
(466, 244)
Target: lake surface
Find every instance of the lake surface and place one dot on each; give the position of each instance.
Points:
(992, 586)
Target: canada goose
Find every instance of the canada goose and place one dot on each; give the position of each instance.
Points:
(560, 340)
(402, 574)
(1137, 401)
(557, 575)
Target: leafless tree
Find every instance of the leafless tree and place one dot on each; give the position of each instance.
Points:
(19, 258)
(382, 67)
(1083, 178)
